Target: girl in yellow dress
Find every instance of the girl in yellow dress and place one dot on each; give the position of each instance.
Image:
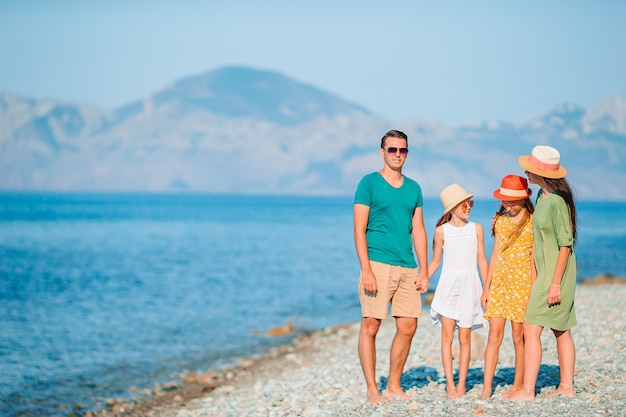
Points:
(510, 276)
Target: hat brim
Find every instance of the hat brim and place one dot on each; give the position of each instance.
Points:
(497, 194)
(525, 163)
(456, 203)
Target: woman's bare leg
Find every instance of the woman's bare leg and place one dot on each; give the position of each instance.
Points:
(567, 359)
(532, 362)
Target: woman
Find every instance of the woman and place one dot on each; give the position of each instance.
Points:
(551, 301)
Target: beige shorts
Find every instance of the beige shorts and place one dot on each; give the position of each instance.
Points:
(396, 284)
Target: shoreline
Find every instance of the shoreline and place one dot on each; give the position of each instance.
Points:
(318, 373)
(193, 385)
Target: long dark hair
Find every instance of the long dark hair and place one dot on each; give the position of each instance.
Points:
(561, 187)
(528, 208)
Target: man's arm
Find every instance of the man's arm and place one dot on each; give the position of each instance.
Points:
(361, 219)
(420, 243)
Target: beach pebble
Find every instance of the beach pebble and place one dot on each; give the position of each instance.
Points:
(331, 383)
(413, 406)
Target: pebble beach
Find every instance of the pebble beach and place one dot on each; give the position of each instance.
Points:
(319, 374)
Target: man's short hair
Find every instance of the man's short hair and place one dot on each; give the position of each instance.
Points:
(394, 134)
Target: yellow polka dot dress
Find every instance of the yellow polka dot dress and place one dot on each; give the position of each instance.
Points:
(511, 281)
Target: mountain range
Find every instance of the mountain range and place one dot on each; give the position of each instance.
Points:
(243, 130)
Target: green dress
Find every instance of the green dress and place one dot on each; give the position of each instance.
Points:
(552, 229)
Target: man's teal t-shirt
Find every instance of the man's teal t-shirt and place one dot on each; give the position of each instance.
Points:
(389, 227)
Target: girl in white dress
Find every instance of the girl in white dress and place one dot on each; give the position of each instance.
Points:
(456, 303)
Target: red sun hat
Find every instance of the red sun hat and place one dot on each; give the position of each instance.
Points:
(512, 188)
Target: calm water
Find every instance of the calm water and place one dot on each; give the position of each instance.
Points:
(101, 293)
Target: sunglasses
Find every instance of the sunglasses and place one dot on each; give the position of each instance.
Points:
(468, 204)
(393, 151)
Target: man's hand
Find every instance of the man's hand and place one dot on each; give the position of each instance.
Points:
(369, 282)
(422, 283)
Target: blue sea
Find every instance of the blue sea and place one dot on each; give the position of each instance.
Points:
(104, 295)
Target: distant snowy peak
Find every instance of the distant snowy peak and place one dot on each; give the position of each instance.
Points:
(242, 92)
(285, 137)
(30, 116)
(563, 116)
(607, 116)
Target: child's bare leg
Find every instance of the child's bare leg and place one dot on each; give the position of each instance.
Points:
(496, 333)
(517, 332)
(465, 340)
(567, 359)
(447, 335)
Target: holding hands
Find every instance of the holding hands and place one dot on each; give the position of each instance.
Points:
(422, 282)
(484, 298)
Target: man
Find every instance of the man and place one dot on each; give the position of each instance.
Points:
(388, 223)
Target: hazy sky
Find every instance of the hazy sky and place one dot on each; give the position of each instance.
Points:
(444, 60)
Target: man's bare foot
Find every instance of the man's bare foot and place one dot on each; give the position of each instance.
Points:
(520, 395)
(564, 390)
(396, 394)
(375, 398)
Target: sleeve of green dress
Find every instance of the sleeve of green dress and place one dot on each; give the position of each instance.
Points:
(562, 224)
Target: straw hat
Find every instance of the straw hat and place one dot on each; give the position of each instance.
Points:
(453, 195)
(543, 161)
(513, 187)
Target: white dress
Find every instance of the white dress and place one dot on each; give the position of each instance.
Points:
(458, 292)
